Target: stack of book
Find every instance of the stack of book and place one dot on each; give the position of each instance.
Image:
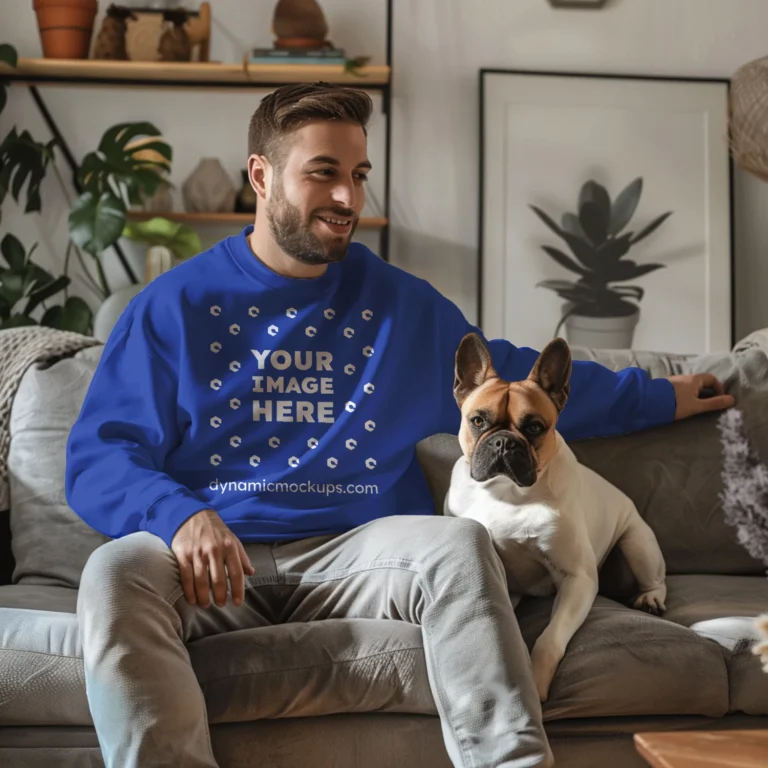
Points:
(329, 56)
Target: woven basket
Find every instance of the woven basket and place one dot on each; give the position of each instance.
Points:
(749, 117)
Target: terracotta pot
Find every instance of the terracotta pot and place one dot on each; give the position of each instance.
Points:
(66, 27)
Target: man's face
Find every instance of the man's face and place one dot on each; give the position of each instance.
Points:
(314, 205)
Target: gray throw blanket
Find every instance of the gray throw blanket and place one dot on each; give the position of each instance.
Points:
(20, 348)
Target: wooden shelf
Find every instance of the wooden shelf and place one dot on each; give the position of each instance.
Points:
(241, 219)
(186, 74)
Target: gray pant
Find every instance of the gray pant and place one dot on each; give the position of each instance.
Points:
(441, 573)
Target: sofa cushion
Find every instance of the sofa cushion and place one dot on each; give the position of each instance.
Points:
(290, 670)
(623, 662)
(722, 609)
(673, 473)
(50, 542)
(41, 667)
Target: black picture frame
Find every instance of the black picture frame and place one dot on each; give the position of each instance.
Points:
(485, 72)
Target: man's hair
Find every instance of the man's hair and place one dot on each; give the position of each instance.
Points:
(287, 108)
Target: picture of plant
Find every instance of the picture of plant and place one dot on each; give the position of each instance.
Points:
(599, 239)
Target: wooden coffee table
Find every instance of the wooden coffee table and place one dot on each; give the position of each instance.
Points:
(704, 749)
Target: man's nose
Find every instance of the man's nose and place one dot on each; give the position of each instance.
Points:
(344, 194)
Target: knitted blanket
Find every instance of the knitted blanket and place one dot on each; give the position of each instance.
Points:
(20, 348)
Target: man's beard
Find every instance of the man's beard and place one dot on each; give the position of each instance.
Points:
(295, 236)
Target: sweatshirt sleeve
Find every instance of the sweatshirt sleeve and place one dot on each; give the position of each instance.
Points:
(601, 403)
(114, 478)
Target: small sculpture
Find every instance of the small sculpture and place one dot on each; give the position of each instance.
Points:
(110, 43)
(299, 24)
(174, 44)
(208, 189)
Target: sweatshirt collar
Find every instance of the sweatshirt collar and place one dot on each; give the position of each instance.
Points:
(241, 252)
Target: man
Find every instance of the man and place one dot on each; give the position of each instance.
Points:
(253, 422)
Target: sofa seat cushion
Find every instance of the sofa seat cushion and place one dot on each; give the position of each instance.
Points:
(722, 609)
(290, 670)
(623, 662)
(41, 664)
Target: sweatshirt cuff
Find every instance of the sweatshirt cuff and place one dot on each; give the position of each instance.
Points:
(170, 512)
(660, 403)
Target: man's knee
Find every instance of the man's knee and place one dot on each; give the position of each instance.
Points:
(139, 559)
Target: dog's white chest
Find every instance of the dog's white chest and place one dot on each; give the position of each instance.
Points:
(523, 534)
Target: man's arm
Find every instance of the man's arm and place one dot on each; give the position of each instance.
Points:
(116, 452)
(117, 448)
(601, 403)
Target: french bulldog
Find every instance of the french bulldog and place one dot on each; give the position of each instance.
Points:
(553, 520)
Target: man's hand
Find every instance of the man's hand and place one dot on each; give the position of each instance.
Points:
(204, 547)
(688, 389)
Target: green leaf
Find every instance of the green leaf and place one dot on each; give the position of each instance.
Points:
(52, 317)
(76, 316)
(16, 321)
(597, 194)
(8, 55)
(47, 290)
(21, 159)
(180, 239)
(13, 252)
(12, 286)
(625, 205)
(594, 222)
(655, 224)
(96, 223)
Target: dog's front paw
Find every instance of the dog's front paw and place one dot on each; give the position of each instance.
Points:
(545, 658)
(652, 601)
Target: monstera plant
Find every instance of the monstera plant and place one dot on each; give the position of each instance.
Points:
(122, 171)
(598, 239)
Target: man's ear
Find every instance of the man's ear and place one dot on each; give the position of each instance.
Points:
(260, 175)
(552, 372)
(473, 366)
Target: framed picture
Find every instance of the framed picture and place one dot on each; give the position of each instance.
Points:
(606, 211)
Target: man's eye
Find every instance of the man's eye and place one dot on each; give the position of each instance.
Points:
(324, 171)
(362, 177)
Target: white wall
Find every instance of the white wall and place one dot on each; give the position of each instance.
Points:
(439, 46)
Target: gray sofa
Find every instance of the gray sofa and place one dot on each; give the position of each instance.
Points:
(355, 693)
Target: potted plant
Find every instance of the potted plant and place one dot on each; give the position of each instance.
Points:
(170, 242)
(597, 312)
(66, 27)
(121, 172)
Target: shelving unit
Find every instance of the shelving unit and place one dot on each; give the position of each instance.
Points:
(146, 74)
(366, 222)
(206, 75)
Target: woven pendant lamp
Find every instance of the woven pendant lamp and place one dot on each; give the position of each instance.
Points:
(749, 117)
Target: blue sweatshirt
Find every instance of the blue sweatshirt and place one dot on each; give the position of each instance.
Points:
(290, 406)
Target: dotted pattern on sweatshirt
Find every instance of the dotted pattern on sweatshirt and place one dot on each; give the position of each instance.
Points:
(291, 313)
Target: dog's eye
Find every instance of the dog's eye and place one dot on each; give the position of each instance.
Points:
(477, 421)
(534, 429)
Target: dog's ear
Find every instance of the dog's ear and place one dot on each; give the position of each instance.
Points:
(473, 366)
(552, 372)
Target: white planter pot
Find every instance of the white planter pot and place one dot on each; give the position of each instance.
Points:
(602, 332)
